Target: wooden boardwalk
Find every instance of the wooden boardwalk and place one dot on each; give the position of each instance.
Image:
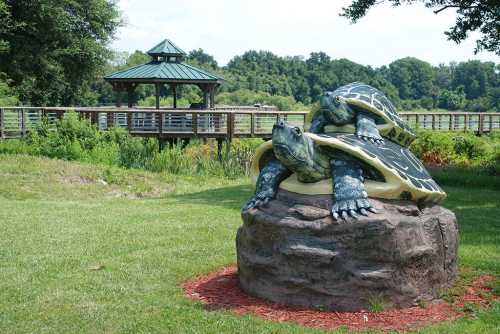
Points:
(220, 123)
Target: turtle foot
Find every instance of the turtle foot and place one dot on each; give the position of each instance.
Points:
(352, 208)
(259, 199)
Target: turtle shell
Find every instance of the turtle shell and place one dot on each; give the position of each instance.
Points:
(405, 176)
(370, 99)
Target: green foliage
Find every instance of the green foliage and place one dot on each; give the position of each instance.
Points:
(74, 139)
(56, 48)
(472, 16)
(451, 100)
(377, 303)
(7, 96)
(246, 97)
(295, 83)
(459, 149)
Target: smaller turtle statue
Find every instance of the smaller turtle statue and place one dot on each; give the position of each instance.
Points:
(299, 161)
(366, 108)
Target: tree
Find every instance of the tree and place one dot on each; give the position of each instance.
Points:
(5, 26)
(472, 15)
(57, 48)
(412, 77)
(202, 58)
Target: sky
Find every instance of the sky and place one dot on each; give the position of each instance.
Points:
(226, 28)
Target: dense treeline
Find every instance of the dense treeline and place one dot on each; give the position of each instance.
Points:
(263, 77)
(56, 53)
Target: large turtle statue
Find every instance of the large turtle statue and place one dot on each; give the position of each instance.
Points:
(367, 109)
(300, 162)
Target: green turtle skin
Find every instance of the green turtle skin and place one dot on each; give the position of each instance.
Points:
(296, 153)
(365, 107)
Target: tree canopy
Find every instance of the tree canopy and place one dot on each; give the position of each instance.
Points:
(472, 15)
(294, 82)
(53, 50)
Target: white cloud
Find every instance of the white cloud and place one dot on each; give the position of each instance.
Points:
(225, 28)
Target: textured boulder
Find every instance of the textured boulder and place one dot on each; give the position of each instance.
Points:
(293, 252)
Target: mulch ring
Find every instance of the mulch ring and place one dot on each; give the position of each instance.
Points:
(220, 290)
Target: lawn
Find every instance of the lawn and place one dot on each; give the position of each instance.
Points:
(93, 249)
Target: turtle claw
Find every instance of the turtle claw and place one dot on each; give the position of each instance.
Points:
(335, 215)
(363, 212)
(258, 200)
(352, 208)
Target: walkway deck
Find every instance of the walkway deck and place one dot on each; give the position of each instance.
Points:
(220, 123)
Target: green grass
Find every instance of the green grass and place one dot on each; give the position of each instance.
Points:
(94, 249)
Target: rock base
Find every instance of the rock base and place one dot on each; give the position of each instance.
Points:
(292, 252)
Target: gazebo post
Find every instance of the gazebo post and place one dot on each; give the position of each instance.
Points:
(174, 93)
(157, 92)
(212, 96)
(130, 93)
(118, 91)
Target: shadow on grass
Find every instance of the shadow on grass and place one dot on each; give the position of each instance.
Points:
(233, 197)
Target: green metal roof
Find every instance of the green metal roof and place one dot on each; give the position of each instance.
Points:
(166, 48)
(163, 71)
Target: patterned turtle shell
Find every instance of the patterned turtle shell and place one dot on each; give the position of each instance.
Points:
(367, 98)
(404, 175)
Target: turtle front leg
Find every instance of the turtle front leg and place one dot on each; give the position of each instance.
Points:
(351, 197)
(366, 128)
(267, 184)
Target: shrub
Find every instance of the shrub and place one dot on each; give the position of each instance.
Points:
(434, 147)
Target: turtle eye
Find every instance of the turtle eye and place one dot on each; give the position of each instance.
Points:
(337, 99)
(297, 131)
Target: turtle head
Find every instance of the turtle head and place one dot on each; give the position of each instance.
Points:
(291, 146)
(335, 109)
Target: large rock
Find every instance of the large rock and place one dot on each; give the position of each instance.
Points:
(293, 252)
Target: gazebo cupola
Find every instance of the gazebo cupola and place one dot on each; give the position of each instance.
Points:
(167, 51)
(166, 67)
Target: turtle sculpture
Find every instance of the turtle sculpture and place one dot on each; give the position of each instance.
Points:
(304, 162)
(364, 110)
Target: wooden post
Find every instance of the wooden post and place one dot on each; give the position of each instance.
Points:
(252, 124)
(491, 123)
(174, 94)
(94, 118)
(219, 149)
(2, 124)
(130, 95)
(212, 97)
(160, 123)
(480, 125)
(157, 94)
(433, 122)
(466, 120)
(450, 125)
(194, 123)
(23, 122)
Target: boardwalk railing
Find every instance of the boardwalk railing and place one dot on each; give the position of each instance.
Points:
(453, 121)
(222, 123)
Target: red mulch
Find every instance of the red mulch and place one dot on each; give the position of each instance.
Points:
(221, 290)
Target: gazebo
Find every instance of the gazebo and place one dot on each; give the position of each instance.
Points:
(166, 67)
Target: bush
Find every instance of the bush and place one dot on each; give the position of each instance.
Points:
(463, 149)
(75, 139)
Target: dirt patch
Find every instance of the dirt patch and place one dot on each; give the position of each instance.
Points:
(220, 291)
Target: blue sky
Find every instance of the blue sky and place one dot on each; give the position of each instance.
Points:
(225, 28)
